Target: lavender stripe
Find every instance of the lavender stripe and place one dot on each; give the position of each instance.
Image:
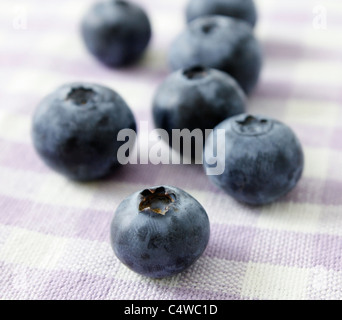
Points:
(336, 141)
(83, 67)
(289, 89)
(67, 285)
(317, 191)
(56, 220)
(309, 137)
(298, 51)
(196, 294)
(232, 243)
(303, 18)
(332, 192)
(297, 249)
(21, 156)
(77, 286)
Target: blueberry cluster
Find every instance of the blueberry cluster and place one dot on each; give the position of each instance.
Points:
(216, 63)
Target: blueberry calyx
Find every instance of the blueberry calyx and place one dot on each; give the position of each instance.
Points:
(195, 72)
(209, 27)
(156, 200)
(80, 96)
(252, 126)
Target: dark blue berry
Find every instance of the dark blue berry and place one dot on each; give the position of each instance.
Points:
(116, 32)
(219, 42)
(75, 130)
(196, 98)
(160, 231)
(240, 9)
(263, 159)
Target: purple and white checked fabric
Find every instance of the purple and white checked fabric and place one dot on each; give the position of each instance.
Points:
(54, 233)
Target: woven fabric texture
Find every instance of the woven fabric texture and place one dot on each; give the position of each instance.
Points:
(54, 233)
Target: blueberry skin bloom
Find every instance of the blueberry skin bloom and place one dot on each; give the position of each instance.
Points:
(116, 32)
(263, 159)
(75, 130)
(219, 42)
(197, 98)
(159, 232)
(240, 9)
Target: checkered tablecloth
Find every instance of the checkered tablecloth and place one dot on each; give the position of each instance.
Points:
(54, 233)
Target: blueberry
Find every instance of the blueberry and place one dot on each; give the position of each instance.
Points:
(196, 98)
(219, 42)
(75, 130)
(160, 231)
(240, 9)
(263, 159)
(116, 32)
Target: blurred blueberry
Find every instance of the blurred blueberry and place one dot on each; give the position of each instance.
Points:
(116, 32)
(75, 130)
(219, 42)
(160, 231)
(240, 9)
(263, 159)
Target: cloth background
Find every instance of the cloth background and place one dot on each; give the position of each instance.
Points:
(54, 233)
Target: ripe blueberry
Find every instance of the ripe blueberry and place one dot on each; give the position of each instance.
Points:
(196, 98)
(75, 130)
(240, 9)
(219, 42)
(160, 231)
(263, 159)
(116, 32)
